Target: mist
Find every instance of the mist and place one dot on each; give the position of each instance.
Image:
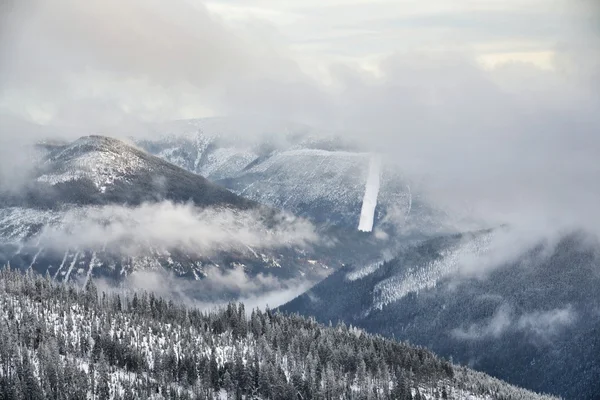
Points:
(218, 288)
(513, 143)
(166, 226)
(542, 325)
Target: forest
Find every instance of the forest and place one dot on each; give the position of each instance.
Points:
(59, 341)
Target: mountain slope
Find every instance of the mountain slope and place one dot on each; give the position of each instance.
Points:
(534, 320)
(97, 170)
(320, 177)
(100, 207)
(58, 342)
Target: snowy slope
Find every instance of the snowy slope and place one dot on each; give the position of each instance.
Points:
(71, 242)
(99, 160)
(292, 167)
(79, 342)
(367, 213)
(95, 207)
(102, 170)
(101, 207)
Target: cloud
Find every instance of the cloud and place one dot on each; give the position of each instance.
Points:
(166, 226)
(134, 56)
(543, 325)
(506, 245)
(493, 328)
(217, 288)
(547, 323)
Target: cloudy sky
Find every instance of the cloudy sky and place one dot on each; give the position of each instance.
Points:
(109, 60)
(364, 31)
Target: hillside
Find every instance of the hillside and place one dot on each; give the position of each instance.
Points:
(292, 167)
(62, 343)
(98, 170)
(531, 320)
(99, 207)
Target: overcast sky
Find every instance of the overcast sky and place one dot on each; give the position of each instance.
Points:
(185, 58)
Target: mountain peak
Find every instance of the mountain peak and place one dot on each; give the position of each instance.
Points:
(97, 170)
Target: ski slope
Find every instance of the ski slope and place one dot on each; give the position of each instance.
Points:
(367, 214)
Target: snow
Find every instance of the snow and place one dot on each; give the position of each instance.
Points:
(71, 266)
(62, 264)
(409, 202)
(103, 161)
(364, 271)
(93, 262)
(315, 177)
(35, 257)
(309, 158)
(18, 223)
(224, 162)
(367, 214)
(423, 277)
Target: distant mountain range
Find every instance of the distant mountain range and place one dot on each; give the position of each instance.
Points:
(295, 168)
(105, 180)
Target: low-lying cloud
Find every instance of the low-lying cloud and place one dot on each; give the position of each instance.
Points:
(166, 226)
(543, 325)
(218, 287)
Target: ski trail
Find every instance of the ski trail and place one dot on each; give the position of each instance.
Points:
(91, 267)
(246, 188)
(367, 213)
(62, 264)
(35, 257)
(409, 202)
(71, 266)
(252, 250)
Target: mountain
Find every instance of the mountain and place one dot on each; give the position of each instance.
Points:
(293, 167)
(101, 207)
(59, 342)
(532, 320)
(104, 182)
(97, 170)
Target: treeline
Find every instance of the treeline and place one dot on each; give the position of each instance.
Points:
(59, 342)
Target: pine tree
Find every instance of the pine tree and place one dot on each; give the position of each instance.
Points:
(103, 384)
(30, 384)
(228, 384)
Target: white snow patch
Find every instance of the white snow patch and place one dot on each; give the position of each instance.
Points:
(423, 277)
(35, 257)
(71, 266)
(367, 214)
(62, 264)
(364, 271)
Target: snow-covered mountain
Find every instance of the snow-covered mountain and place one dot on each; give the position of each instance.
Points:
(57, 342)
(526, 313)
(311, 174)
(102, 207)
(96, 170)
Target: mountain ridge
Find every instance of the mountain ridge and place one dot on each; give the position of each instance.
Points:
(124, 345)
(531, 320)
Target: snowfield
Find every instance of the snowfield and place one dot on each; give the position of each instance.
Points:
(367, 214)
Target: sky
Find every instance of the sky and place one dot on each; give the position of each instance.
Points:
(112, 61)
